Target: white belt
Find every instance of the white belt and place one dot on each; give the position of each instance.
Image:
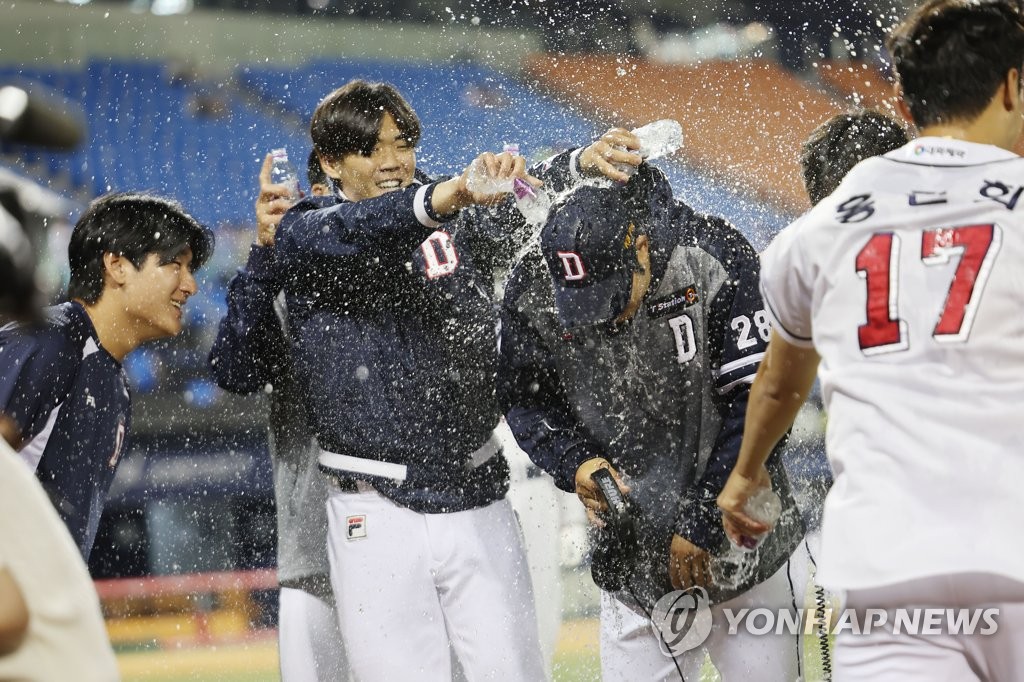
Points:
(399, 472)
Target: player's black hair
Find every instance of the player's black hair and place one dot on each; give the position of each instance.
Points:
(132, 226)
(950, 56)
(314, 171)
(843, 141)
(348, 120)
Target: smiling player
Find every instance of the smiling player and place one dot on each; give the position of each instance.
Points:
(132, 259)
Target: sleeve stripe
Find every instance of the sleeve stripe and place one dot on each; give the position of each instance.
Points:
(742, 362)
(795, 339)
(748, 379)
(574, 168)
(419, 207)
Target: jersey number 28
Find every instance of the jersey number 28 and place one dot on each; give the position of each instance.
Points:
(878, 265)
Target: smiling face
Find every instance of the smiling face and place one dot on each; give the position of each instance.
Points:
(154, 295)
(389, 166)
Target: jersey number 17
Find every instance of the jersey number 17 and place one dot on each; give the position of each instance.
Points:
(878, 265)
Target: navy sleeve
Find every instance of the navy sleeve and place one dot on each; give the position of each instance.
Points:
(37, 369)
(251, 349)
(739, 334)
(379, 231)
(536, 408)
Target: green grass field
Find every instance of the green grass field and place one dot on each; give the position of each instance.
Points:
(576, 660)
(257, 662)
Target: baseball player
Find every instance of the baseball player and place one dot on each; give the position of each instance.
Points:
(393, 330)
(132, 260)
(904, 288)
(840, 143)
(628, 343)
(51, 627)
(251, 355)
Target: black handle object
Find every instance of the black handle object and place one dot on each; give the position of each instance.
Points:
(612, 495)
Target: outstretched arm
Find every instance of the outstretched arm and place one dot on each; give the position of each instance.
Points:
(783, 382)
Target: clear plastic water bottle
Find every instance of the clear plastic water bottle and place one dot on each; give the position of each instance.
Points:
(730, 570)
(657, 139)
(532, 203)
(480, 182)
(282, 172)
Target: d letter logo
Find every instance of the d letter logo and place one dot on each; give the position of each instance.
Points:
(573, 266)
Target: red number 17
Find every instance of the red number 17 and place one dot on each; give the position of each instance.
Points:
(878, 264)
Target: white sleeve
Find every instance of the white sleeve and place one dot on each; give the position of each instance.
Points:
(786, 285)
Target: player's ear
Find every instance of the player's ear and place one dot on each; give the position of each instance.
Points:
(901, 104)
(1012, 90)
(331, 168)
(115, 268)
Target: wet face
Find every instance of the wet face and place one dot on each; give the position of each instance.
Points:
(388, 167)
(155, 294)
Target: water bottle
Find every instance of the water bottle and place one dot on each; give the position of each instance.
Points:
(480, 183)
(732, 569)
(657, 139)
(282, 172)
(533, 204)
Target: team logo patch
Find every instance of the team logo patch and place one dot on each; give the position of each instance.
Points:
(355, 527)
(674, 302)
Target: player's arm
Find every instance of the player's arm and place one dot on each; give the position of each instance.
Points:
(250, 350)
(498, 232)
(784, 380)
(384, 229)
(37, 369)
(530, 392)
(14, 616)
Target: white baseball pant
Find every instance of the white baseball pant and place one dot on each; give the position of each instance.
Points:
(630, 647)
(309, 641)
(881, 655)
(411, 585)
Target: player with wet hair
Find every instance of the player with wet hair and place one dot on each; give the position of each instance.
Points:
(132, 258)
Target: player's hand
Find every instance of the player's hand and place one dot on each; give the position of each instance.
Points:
(740, 528)
(618, 145)
(271, 205)
(496, 167)
(588, 492)
(688, 564)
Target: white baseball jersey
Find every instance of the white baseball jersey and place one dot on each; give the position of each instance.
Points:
(909, 282)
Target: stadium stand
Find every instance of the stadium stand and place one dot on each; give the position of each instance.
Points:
(745, 120)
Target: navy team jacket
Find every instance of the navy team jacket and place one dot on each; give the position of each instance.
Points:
(393, 326)
(70, 400)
